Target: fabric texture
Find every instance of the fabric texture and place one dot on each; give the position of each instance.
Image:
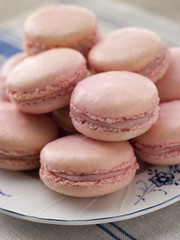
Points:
(163, 224)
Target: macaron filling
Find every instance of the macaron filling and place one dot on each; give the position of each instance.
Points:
(121, 124)
(50, 92)
(18, 155)
(158, 151)
(35, 47)
(155, 68)
(94, 176)
(24, 157)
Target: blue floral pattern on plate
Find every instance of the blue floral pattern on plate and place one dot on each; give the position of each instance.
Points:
(158, 180)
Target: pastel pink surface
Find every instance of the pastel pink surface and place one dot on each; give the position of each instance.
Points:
(131, 49)
(74, 27)
(164, 136)
(11, 63)
(112, 98)
(169, 85)
(21, 135)
(78, 157)
(44, 82)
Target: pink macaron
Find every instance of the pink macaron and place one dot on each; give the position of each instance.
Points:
(11, 63)
(63, 120)
(60, 26)
(3, 97)
(114, 106)
(22, 136)
(6, 68)
(44, 82)
(131, 49)
(169, 86)
(161, 144)
(82, 167)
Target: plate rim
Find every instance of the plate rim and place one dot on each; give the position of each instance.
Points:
(93, 220)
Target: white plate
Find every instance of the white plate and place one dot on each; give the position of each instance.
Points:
(23, 195)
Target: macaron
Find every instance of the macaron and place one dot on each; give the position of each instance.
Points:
(11, 63)
(60, 26)
(131, 49)
(63, 120)
(3, 97)
(161, 144)
(82, 167)
(169, 85)
(22, 136)
(114, 106)
(44, 82)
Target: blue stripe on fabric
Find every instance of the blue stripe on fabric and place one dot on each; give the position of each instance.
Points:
(108, 231)
(122, 231)
(7, 49)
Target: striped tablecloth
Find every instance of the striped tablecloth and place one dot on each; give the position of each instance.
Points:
(163, 224)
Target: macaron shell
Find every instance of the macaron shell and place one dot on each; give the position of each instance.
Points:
(24, 132)
(169, 86)
(50, 67)
(115, 94)
(88, 189)
(73, 25)
(18, 165)
(130, 49)
(78, 153)
(167, 127)
(171, 158)
(11, 63)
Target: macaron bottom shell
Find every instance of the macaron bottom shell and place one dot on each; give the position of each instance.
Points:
(18, 164)
(88, 188)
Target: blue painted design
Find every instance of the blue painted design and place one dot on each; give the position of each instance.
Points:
(122, 231)
(108, 231)
(3, 194)
(158, 180)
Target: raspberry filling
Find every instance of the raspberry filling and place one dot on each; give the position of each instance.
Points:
(34, 47)
(33, 157)
(97, 175)
(156, 150)
(93, 177)
(118, 124)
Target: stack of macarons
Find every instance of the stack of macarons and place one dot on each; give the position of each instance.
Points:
(80, 105)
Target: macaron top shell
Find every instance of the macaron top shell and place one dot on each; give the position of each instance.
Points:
(24, 132)
(169, 85)
(68, 24)
(130, 49)
(11, 63)
(47, 68)
(117, 94)
(167, 127)
(79, 154)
